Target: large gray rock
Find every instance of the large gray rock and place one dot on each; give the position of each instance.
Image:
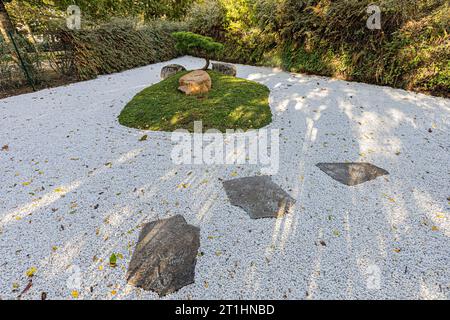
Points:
(352, 174)
(225, 68)
(258, 196)
(165, 256)
(170, 70)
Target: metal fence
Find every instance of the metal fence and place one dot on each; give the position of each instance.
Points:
(32, 61)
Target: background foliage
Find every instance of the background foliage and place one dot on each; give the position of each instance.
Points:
(325, 37)
(412, 50)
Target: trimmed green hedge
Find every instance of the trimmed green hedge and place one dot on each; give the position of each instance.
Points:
(114, 47)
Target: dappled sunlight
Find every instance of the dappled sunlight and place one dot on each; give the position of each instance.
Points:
(62, 258)
(315, 273)
(320, 248)
(39, 203)
(439, 218)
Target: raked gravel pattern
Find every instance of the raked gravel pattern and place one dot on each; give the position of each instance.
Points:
(76, 187)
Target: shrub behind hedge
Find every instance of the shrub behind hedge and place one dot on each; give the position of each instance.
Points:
(330, 38)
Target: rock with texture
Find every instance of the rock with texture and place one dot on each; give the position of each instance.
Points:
(352, 174)
(170, 70)
(258, 196)
(225, 68)
(195, 82)
(165, 256)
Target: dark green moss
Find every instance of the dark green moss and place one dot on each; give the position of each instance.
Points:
(232, 103)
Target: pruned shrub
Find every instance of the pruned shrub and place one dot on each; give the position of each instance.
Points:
(116, 47)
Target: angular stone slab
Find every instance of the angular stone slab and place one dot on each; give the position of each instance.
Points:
(164, 258)
(170, 70)
(352, 174)
(258, 196)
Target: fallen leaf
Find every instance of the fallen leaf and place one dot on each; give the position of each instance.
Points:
(28, 287)
(113, 261)
(75, 294)
(143, 138)
(5, 147)
(31, 272)
(397, 250)
(434, 228)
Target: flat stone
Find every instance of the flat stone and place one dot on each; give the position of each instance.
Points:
(195, 82)
(258, 196)
(225, 68)
(352, 174)
(165, 256)
(170, 70)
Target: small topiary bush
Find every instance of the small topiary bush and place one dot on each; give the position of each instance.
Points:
(198, 45)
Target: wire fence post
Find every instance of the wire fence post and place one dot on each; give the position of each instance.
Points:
(24, 67)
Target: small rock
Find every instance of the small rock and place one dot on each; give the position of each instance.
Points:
(170, 70)
(165, 256)
(225, 68)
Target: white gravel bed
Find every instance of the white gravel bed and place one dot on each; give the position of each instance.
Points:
(76, 187)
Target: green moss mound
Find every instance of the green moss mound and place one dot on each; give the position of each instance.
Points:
(232, 103)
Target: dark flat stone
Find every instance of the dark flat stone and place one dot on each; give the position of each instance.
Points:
(165, 256)
(170, 70)
(352, 174)
(258, 196)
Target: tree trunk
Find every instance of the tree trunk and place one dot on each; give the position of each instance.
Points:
(6, 26)
(206, 65)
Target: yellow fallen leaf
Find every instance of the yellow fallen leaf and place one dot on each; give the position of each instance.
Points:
(434, 228)
(75, 294)
(59, 190)
(440, 215)
(54, 248)
(100, 268)
(206, 285)
(234, 174)
(218, 253)
(114, 292)
(31, 272)
(27, 183)
(397, 250)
